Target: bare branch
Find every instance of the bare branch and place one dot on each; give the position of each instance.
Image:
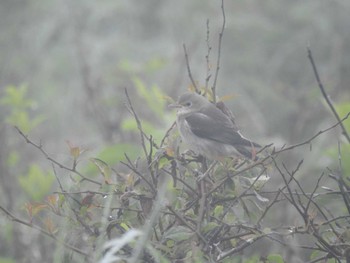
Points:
(167, 133)
(238, 248)
(193, 191)
(213, 88)
(202, 205)
(139, 125)
(41, 230)
(47, 156)
(148, 155)
(182, 220)
(325, 95)
(207, 56)
(313, 137)
(189, 69)
(132, 168)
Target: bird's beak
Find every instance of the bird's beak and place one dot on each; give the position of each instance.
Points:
(174, 105)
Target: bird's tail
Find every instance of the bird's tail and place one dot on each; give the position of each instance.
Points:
(248, 151)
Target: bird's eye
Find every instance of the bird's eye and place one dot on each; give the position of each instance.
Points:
(188, 104)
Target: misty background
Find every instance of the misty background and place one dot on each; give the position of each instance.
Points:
(75, 59)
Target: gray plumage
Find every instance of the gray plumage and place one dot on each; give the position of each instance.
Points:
(208, 131)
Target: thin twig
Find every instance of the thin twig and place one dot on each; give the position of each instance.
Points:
(148, 226)
(41, 230)
(202, 203)
(131, 167)
(311, 197)
(183, 182)
(340, 180)
(86, 192)
(313, 137)
(167, 133)
(239, 248)
(138, 122)
(189, 69)
(182, 220)
(249, 167)
(325, 95)
(290, 198)
(47, 156)
(213, 88)
(207, 57)
(275, 153)
(58, 180)
(273, 202)
(319, 259)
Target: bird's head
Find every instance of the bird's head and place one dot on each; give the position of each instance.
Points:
(189, 103)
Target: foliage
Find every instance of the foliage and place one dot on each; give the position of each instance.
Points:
(143, 197)
(6, 260)
(342, 149)
(185, 207)
(15, 99)
(154, 100)
(343, 109)
(36, 183)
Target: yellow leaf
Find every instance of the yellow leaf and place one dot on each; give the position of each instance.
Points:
(103, 168)
(75, 151)
(228, 97)
(34, 208)
(49, 225)
(191, 88)
(52, 199)
(168, 99)
(29, 208)
(130, 180)
(37, 208)
(169, 151)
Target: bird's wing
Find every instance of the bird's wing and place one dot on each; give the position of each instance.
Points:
(217, 127)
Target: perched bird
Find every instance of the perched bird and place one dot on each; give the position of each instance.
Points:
(208, 130)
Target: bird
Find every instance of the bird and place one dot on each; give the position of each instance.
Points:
(210, 131)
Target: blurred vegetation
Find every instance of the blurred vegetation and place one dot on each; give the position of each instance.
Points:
(64, 67)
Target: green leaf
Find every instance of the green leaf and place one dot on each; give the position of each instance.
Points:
(196, 255)
(252, 259)
(343, 109)
(15, 98)
(275, 258)
(157, 254)
(112, 155)
(125, 65)
(36, 183)
(12, 159)
(344, 152)
(104, 169)
(209, 226)
(170, 243)
(154, 64)
(129, 124)
(218, 210)
(163, 162)
(6, 260)
(153, 97)
(178, 233)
